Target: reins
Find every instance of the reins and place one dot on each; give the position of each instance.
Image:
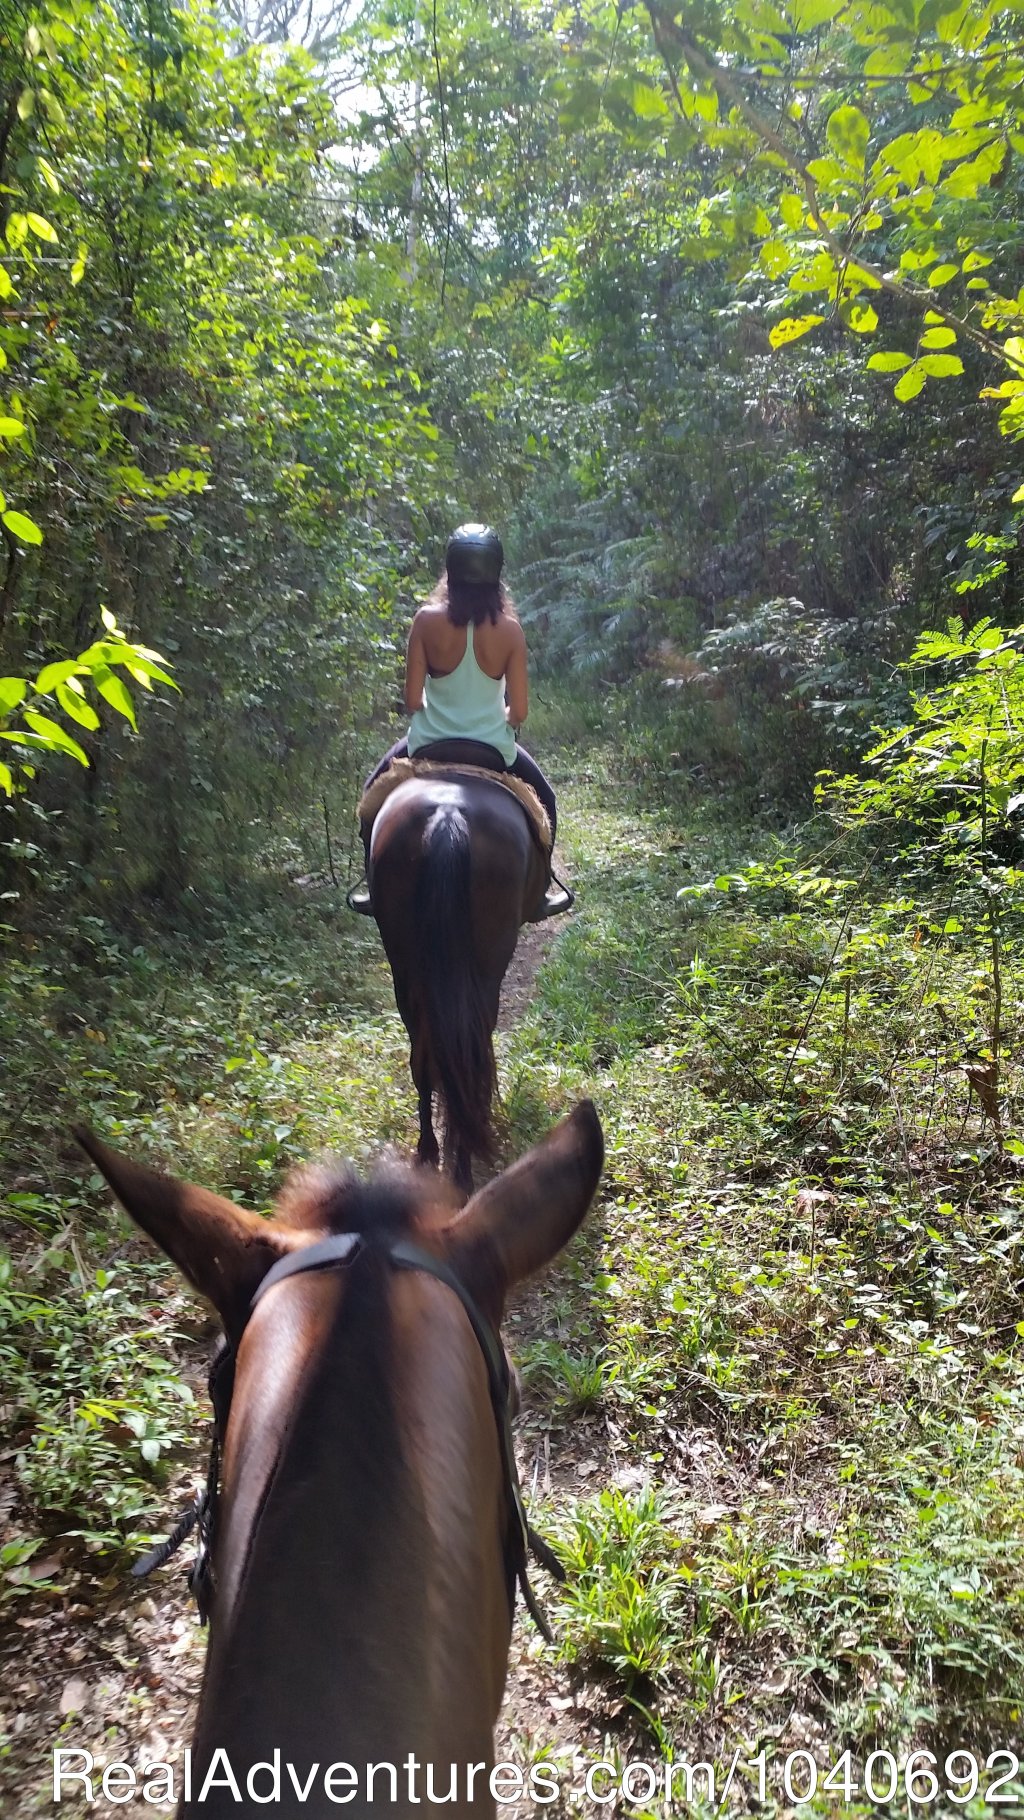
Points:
(327, 1254)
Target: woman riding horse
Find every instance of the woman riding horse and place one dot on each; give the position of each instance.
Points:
(466, 684)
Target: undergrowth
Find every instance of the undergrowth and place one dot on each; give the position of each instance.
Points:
(787, 1347)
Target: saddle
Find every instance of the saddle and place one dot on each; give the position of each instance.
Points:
(463, 758)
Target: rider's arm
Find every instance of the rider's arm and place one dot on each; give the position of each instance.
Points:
(415, 667)
(516, 691)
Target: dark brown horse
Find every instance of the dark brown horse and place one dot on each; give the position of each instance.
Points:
(454, 872)
(362, 1602)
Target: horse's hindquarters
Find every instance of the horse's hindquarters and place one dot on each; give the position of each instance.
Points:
(453, 872)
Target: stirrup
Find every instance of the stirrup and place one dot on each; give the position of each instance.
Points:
(556, 900)
(357, 897)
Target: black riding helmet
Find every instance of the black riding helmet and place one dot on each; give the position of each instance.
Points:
(474, 554)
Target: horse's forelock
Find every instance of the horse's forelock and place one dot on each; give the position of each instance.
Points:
(326, 1197)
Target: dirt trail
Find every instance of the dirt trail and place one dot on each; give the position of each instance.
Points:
(113, 1666)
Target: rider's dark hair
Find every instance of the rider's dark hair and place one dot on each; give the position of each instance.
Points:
(473, 600)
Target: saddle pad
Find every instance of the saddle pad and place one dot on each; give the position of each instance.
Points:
(403, 770)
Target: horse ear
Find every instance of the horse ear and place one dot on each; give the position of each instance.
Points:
(520, 1221)
(223, 1250)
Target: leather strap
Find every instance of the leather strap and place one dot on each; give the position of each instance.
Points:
(328, 1254)
(324, 1255)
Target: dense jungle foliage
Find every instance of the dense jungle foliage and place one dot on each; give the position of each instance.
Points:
(718, 312)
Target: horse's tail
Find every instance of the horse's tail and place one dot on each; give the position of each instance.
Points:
(461, 1049)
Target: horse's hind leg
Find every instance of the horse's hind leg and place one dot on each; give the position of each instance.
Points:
(462, 1169)
(427, 1148)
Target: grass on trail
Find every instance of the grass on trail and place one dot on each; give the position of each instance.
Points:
(775, 1388)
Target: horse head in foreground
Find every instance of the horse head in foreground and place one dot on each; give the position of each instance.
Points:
(454, 872)
(367, 1538)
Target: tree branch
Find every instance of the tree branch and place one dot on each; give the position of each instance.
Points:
(728, 88)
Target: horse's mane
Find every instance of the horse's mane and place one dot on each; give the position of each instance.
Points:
(329, 1197)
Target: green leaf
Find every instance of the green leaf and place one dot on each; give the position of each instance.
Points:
(863, 318)
(938, 338)
(13, 689)
(113, 691)
(910, 383)
(888, 60)
(41, 227)
(6, 779)
(11, 426)
(22, 527)
(889, 363)
(807, 15)
(52, 674)
(144, 670)
(54, 736)
(791, 328)
(848, 133)
(940, 366)
(79, 710)
(648, 103)
(941, 274)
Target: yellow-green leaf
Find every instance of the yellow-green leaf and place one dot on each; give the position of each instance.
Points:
(41, 227)
(11, 426)
(78, 709)
(909, 383)
(848, 132)
(863, 318)
(52, 674)
(54, 735)
(888, 363)
(941, 274)
(648, 103)
(113, 691)
(938, 338)
(22, 527)
(940, 366)
(791, 328)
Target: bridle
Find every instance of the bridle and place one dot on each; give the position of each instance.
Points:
(331, 1254)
